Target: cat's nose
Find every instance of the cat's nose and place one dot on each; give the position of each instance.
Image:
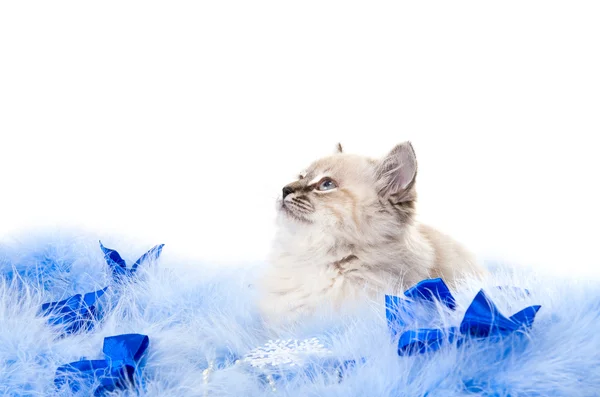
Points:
(287, 191)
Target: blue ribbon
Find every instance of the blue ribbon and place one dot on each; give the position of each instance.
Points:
(119, 267)
(430, 290)
(75, 313)
(423, 340)
(120, 368)
(79, 312)
(481, 320)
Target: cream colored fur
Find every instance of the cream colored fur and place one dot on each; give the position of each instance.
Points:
(359, 239)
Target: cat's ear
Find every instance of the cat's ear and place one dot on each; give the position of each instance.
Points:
(397, 172)
(338, 148)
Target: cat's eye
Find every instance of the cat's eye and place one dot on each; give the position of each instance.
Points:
(326, 184)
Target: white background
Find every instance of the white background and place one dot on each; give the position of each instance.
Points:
(179, 122)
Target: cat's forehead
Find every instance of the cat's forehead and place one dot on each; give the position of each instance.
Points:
(321, 166)
(336, 165)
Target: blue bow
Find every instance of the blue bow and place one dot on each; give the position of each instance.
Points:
(120, 368)
(423, 340)
(482, 319)
(118, 265)
(432, 290)
(80, 312)
(74, 313)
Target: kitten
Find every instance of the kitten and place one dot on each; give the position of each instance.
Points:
(347, 230)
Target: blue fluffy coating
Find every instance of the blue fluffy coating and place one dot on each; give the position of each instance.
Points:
(201, 319)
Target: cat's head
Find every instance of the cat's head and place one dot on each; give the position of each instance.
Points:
(350, 192)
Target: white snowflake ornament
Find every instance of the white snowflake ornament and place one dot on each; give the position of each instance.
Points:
(290, 352)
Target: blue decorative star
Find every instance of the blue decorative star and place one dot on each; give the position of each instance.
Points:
(431, 290)
(79, 312)
(425, 340)
(75, 313)
(481, 320)
(118, 265)
(120, 367)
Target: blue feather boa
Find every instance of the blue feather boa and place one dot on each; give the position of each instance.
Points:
(78, 318)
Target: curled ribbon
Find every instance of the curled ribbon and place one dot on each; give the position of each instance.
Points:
(120, 368)
(482, 319)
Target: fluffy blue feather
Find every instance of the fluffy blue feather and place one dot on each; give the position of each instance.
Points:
(201, 319)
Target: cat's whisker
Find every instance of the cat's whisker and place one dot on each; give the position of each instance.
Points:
(301, 210)
(302, 205)
(303, 199)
